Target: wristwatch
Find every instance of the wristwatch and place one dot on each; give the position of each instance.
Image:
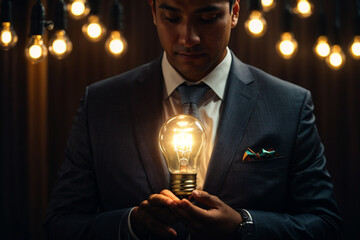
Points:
(246, 229)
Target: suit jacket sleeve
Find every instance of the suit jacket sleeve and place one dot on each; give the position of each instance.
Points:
(311, 211)
(73, 211)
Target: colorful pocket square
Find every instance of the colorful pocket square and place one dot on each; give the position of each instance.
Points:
(250, 155)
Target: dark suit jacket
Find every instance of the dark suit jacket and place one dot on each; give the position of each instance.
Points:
(113, 161)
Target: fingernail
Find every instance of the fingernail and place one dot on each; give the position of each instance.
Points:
(196, 192)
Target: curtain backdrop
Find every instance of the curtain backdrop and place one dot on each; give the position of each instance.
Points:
(38, 102)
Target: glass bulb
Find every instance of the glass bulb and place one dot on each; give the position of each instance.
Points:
(268, 5)
(303, 8)
(8, 37)
(255, 25)
(60, 45)
(336, 58)
(36, 50)
(287, 45)
(116, 44)
(78, 9)
(94, 30)
(322, 47)
(182, 140)
(355, 47)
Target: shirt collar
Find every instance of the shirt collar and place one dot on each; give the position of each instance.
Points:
(221, 72)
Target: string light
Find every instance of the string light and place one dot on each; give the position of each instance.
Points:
(60, 45)
(268, 5)
(355, 48)
(116, 44)
(336, 58)
(322, 47)
(355, 45)
(256, 24)
(94, 30)
(287, 45)
(78, 9)
(8, 37)
(35, 49)
(303, 8)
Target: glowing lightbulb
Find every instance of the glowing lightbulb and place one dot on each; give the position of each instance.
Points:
(8, 37)
(336, 58)
(116, 44)
(287, 45)
(255, 25)
(78, 9)
(36, 50)
(60, 45)
(182, 140)
(268, 5)
(94, 30)
(322, 47)
(303, 8)
(355, 47)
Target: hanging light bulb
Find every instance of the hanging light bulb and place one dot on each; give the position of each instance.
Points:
(255, 25)
(355, 47)
(182, 140)
(303, 8)
(78, 9)
(35, 49)
(116, 44)
(322, 47)
(8, 37)
(268, 5)
(287, 45)
(60, 45)
(336, 58)
(94, 30)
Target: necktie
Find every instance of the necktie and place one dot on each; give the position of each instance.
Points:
(191, 96)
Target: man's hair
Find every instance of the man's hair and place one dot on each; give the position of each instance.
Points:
(231, 2)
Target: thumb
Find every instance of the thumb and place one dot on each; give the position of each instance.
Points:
(205, 198)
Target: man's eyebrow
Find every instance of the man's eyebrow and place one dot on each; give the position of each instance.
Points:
(170, 8)
(200, 10)
(208, 9)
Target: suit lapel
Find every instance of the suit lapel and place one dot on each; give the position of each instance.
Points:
(147, 117)
(239, 102)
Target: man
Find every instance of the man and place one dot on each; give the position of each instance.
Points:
(113, 184)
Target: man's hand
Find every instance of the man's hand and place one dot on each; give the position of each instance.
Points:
(220, 220)
(155, 216)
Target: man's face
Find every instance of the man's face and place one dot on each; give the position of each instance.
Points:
(194, 33)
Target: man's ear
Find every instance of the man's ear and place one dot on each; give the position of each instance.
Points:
(152, 5)
(235, 13)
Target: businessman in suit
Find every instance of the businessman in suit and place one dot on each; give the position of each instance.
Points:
(114, 182)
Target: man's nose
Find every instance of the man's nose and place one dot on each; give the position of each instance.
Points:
(189, 36)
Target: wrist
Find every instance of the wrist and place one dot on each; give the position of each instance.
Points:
(245, 229)
(136, 229)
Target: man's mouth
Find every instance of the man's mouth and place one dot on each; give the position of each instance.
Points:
(190, 55)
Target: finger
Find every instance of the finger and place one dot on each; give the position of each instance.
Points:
(170, 194)
(160, 200)
(206, 198)
(189, 212)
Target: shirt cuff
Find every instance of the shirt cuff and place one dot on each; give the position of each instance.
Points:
(132, 234)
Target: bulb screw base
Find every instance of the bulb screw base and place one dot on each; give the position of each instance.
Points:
(182, 184)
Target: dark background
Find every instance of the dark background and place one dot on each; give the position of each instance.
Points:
(38, 102)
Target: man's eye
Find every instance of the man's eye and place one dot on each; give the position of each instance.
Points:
(209, 18)
(172, 19)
